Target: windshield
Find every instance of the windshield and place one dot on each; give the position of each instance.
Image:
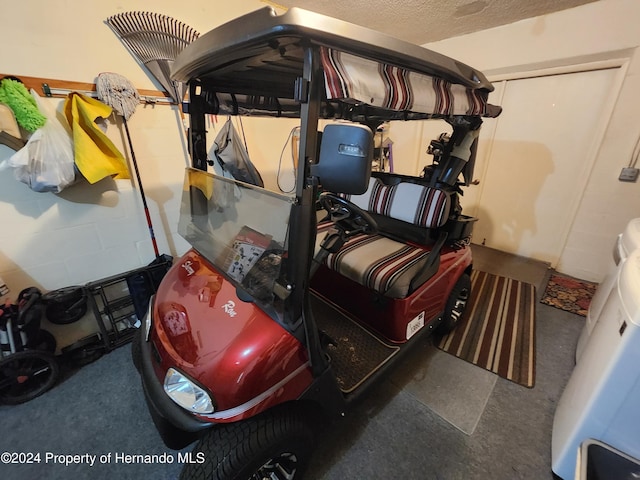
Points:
(240, 228)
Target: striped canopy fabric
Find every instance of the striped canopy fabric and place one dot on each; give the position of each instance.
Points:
(359, 80)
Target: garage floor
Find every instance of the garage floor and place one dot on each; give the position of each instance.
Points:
(435, 417)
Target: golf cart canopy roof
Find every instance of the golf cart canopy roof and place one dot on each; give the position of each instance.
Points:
(251, 66)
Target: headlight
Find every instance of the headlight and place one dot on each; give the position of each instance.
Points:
(186, 393)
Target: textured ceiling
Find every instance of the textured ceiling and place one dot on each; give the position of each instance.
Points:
(423, 21)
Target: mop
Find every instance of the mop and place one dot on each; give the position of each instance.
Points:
(155, 40)
(118, 92)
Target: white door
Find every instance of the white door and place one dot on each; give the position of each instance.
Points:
(538, 162)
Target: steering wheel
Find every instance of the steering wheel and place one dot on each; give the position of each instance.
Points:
(347, 216)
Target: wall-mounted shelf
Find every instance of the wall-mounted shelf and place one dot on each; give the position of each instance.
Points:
(10, 141)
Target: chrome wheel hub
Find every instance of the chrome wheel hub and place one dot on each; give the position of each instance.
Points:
(282, 467)
(460, 305)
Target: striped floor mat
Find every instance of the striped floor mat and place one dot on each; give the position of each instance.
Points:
(497, 331)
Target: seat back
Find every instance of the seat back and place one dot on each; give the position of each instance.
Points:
(405, 210)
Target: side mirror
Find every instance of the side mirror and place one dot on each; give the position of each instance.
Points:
(346, 153)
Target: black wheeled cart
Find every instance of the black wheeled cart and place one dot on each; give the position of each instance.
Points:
(120, 302)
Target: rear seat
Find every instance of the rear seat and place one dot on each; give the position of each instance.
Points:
(395, 261)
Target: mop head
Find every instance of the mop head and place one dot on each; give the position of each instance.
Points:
(17, 97)
(117, 92)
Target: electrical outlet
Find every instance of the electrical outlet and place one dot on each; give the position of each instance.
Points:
(629, 174)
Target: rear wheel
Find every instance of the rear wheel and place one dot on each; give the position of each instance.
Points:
(25, 375)
(275, 445)
(456, 304)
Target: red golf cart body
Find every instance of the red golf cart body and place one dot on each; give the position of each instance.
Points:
(266, 313)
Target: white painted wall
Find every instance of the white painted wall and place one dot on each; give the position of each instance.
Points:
(89, 232)
(600, 31)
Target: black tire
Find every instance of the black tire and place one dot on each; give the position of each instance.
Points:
(65, 305)
(456, 304)
(62, 315)
(275, 445)
(84, 351)
(26, 375)
(136, 351)
(66, 295)
(85, 356)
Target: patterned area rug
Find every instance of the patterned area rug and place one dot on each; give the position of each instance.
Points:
(497, 330)
(569, 294)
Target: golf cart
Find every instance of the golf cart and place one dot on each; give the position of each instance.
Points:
(289, 306)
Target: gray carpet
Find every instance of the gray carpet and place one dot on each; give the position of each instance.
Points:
(395, 432)
(99, 410)
(395, 435)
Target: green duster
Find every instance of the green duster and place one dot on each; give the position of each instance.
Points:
(17, 97)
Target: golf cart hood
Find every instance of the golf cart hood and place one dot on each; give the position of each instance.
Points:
(250, 66)
(206, 331)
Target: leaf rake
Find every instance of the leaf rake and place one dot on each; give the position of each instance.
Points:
(155, 40)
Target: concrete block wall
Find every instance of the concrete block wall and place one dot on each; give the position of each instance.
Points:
(88, 232)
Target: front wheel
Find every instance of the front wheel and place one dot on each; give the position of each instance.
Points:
(25, 375)
(456, 304)
(275, 445)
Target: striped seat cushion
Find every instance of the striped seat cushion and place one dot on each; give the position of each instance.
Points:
(376, 262)
(420, 205)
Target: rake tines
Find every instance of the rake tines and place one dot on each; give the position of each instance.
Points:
(155, 40)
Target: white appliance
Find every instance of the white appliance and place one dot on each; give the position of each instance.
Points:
(627, 242)
(602, 398)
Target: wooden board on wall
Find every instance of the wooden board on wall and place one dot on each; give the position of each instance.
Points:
(38, 84)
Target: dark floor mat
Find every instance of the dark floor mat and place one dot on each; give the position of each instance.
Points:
(355, 352)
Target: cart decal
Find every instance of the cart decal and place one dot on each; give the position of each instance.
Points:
(229, 308)
(188, 266)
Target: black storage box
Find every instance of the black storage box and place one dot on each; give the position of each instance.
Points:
(460, 228)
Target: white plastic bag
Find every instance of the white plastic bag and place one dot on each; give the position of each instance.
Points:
(233, 157)
(46, 162)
